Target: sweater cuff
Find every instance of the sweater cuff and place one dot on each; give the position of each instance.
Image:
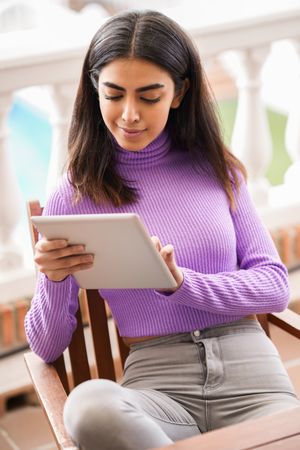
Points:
(181, 291)
(58, 291)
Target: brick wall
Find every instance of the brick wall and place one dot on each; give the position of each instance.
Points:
(12, 334)
(287, 241)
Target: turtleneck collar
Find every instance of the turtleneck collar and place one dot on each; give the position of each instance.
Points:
(148, 156)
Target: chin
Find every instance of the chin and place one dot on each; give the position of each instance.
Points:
(132, 146)
(133, 149)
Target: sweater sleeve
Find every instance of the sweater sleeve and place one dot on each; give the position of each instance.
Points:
(50, 321)
(259, 285)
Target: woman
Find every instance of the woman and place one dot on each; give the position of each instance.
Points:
(144, 138)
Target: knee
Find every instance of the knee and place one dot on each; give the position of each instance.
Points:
(92, 412)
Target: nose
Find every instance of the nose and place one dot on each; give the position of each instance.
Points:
(130, 112)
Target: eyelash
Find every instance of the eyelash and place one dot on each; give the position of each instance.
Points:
(147, 100)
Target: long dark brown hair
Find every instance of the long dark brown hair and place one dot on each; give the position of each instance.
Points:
(193, 126)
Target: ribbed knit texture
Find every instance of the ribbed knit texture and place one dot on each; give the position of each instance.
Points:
(230, 265)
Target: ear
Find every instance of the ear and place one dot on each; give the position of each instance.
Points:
(179, 95)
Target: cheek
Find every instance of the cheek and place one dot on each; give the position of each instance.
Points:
(161, 115)
(108, 112)
(103, 108)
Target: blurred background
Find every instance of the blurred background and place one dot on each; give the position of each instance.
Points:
(251, 54)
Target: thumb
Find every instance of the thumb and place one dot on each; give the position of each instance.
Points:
(167, 252)
(157, 243)
(168, 255)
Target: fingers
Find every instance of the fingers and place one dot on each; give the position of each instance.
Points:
(53, 255)
(58, 248)
(167, 252)
(59, 275)
(168, 255)
(45, 245)
(156, 243)
(57, 259)
(68, 262)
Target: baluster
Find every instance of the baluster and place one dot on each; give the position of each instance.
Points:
(63, 96)
(292, 133)
(251, 139)
(10, 197)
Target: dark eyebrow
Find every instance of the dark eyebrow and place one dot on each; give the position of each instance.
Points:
(114, 86)
(150, 87)
(141, 89)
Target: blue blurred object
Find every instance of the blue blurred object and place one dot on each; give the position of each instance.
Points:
(29, 147)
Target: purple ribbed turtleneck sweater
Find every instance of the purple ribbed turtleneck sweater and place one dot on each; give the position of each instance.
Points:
(230, 264)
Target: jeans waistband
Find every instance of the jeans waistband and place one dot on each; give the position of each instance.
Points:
(239, 326)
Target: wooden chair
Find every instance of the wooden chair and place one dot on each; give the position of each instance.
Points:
(52, 382)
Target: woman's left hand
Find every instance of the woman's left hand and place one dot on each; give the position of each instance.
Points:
(167, 252)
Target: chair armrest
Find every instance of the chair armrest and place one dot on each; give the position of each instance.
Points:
(288, 321)
(52, 397)
(280, 430)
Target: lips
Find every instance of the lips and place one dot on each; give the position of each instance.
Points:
(131, 132)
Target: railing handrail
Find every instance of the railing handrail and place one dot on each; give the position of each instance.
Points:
(40, 47)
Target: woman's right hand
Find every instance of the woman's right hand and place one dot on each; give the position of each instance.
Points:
(57, 259)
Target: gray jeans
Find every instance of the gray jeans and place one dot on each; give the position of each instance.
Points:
(181, 385)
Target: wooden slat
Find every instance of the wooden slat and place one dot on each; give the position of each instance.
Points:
(60, 368)
(100, 334)
(52, 397)
(78, 354)
(123, 349)
(252, 434)
(33, 209)
(288, 321)
(263, 320)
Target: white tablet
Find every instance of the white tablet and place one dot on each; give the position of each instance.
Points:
(124, 255)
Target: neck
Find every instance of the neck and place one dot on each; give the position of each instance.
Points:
(148, 156)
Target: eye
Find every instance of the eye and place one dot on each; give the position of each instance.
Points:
(113, 97)
(150, 100)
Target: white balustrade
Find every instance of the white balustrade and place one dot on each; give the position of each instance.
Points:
(251, 138)
(39, 57)
(34, 57)
(63, 99)
(15, 279)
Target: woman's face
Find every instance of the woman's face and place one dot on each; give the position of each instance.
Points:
(135, 99)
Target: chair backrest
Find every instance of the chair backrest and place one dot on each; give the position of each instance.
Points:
(109, 359)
